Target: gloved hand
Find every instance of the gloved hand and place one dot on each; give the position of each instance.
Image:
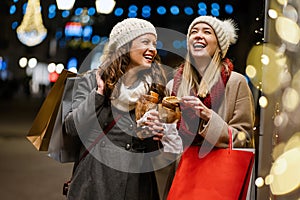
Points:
(167, 133)
(171, 140)
(143, 128)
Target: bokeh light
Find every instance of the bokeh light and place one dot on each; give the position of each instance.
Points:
(286, 173)
(259, 182)
(263, 102)
(293, 142)
(288, 30)
(290, 99)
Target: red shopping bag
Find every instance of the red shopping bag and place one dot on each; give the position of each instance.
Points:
(222, 174)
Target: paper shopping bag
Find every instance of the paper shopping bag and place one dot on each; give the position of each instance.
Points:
(40, 132)
(63, 147)
(223, 173)
(218, 175)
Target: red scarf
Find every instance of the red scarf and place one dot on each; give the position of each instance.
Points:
(214, 98)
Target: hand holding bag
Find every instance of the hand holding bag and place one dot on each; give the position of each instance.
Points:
(222, 174)
(63, 147)
(40, 132)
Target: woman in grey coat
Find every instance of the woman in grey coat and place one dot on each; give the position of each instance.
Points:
(116, 165)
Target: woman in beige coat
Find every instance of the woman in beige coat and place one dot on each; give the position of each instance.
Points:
(214, 97)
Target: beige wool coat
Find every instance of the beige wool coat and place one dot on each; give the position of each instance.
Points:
(235, 112)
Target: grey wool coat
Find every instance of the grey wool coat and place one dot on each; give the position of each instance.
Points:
(118, 166)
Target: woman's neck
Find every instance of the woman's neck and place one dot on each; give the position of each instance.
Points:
(130, 78)
(201, 65)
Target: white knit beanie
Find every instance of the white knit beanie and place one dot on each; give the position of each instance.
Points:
(224, 30)
(127, 30)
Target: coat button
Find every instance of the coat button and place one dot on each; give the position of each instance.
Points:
(102, 144)
(130, 126)
(127, 147)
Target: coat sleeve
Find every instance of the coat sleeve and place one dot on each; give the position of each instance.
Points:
(82, 120)
(238, 115)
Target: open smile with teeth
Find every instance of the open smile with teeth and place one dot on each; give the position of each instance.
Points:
(199, 45)
(148, 57)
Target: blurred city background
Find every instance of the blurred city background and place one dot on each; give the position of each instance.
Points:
(40, 38)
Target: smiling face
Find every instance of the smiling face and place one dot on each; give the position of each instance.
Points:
(202, 41)
(142, 52)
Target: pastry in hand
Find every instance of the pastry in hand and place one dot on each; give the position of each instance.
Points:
(169, 109)
(146, 103)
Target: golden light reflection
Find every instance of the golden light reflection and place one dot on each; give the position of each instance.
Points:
(288, 30)
(263, 102)
(267, 64)
(293, 142)
(241, 136)
(269, 179)
(290, 99)
(286, 173)
(296, 81)
(272, 13)
(250, 71)
(280, 166)
(290, 12)
(253, 60)
(265, 59)
(278, 150)
(259, 182)
(282, 2)
(281, 59)
(270, 79)
(31, 31)
(281, 120)
(285, 78)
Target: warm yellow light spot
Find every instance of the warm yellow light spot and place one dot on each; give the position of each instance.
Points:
(263, 102)
(293, 142)
(51, 67)
(286, 173)
(241, 136)
(285, 78)
(250, 71)
(288, 30)
(282, 2)
(23, 62)
(259, 182)
(253, 60)
(269, 179)
(281, 120)
(280, 166)
(281, 59)
(32, 62)
(296, 81)
(271, 70)
(272, 13)
(278, 150)
(59, 68)
(290, 99)
(265, 59)
(290, 12)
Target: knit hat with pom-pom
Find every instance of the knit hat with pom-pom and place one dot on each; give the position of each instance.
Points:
(127, 30)
(224, 30)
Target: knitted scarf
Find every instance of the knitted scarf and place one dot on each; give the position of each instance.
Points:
(212, 100)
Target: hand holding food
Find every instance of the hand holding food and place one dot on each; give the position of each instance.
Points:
(169, 109)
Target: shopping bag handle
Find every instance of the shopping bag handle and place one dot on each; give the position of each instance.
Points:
(230, 143)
